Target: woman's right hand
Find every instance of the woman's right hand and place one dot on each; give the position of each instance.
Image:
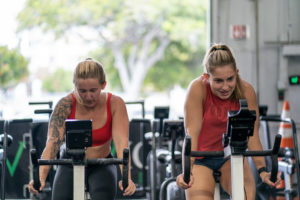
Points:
(182, 184)
(34, 191)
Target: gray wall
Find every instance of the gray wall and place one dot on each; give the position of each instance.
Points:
(272, 53)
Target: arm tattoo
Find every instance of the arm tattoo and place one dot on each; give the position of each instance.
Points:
(57, 123)
(57, 141)
(61, 112)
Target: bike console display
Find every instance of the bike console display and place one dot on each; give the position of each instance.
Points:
(78, 134)
(173, 127)
(240, 126)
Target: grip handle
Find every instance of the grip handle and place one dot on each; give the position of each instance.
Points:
(36, 176)
(187, 159)
(274, 157)
(125, 168)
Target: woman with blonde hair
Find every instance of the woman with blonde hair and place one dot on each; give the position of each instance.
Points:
(208, 101)
(110, 122)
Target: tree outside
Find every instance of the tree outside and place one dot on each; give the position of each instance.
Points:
(144, 45)
(59, 81)
(13, 68)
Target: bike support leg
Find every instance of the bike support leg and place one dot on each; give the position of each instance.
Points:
(78, 181)
(237, 177)
(217, 195)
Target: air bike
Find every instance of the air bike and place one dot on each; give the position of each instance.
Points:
(240, 126)
(78, 138)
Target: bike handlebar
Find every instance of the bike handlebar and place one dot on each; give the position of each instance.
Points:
(187, 153)
(50, 103)
(100, 161)
(43, 111)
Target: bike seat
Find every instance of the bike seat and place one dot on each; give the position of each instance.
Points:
(165, 156)
(217, 175)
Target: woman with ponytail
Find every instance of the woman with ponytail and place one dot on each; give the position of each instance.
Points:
(209, 98)
(108, 113)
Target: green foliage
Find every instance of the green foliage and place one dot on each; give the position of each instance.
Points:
(61, 15)
(13, 67)
(59, 81)
(107, 61)
(179, 66)
(125, 23)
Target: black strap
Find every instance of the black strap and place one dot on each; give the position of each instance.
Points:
(262, 169)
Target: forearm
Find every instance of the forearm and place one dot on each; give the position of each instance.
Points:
(119, 149)
(194, 146)
(255, 145)
(44, 171)
(259, 161)
(50, 152)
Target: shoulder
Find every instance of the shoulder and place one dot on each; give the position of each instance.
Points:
(249, 94)
(64, 104)
(66, 100)
(61, 111)
(247, 88)
(197, 84)
(116, 102)
(197, 89)
(115, 99)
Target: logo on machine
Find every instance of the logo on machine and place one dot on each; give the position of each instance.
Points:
(12, 167)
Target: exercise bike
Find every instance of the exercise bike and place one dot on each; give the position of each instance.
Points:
(286, 166)
(78, 138)
(173, 130)
(5, 141)
(240, 126)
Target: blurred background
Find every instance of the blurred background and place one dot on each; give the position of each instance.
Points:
(150, 50)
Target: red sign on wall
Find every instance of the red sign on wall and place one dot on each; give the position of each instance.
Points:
(239, 32)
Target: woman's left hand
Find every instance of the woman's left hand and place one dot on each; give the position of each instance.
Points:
(130, 188)
(265, 177)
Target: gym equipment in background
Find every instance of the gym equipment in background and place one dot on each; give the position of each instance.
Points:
(42, 111)
(39, 137)
(161, 113)
(284, 165)
(5, 141)
(173, 130)
(139, 148)
(17, 163)
(157, 171)
(141, 103)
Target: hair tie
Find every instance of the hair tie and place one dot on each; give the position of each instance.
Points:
(220, 48)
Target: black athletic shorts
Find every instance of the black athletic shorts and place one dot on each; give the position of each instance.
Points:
(213, 163)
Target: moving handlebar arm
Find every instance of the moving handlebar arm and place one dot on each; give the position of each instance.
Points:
(187, 153)
(100, 161)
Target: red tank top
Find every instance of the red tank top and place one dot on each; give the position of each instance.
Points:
(214, 121)
(100, 135)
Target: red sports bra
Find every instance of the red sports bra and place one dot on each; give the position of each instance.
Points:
(100, 135)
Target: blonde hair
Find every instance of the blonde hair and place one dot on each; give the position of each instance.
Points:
(89, 68)
(220, 55)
